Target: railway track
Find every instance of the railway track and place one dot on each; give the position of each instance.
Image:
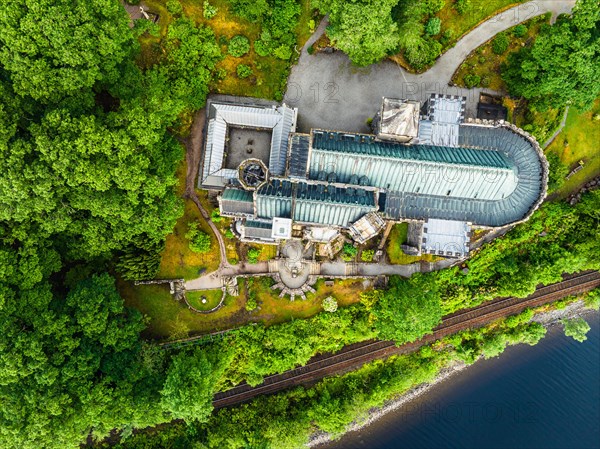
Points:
(354, 356)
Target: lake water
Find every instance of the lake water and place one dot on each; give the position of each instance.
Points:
(545, 396)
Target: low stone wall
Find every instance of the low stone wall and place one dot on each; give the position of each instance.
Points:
(587, 187)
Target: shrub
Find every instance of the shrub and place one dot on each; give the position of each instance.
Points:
(261, 48)
(238, 46)
(310, 50)
(520, 30)
(209, 11)
(229, 234)
(349, 252)
(283, 52)
(423, 52)
(486, 81)
(367, 255)
(592, 299)
(221, 73)
(251, 303)
(500, 44)
(215, 216)
(174, 7)
(252, 10)
(253, 255)
(223, 40)
(430, 7)
(462, 6)
(471, 80)
(243, 71)
(433, 26)
(199, 240)
(482, 59)
(558, 172)
(329, 304)
(446, 37)
(311, 25)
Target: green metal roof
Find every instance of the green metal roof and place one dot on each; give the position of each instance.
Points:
(314, 202)
(258, 224)
(237, 195)
(367, 145)
(332, 194)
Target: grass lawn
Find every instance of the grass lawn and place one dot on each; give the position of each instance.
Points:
(274, 309)
(269, 76)
(480, 11)
(267, 252)
(169, 319)
(178, 260)
(395, 254)
(485, 64)
(212, 298)
(579, 140)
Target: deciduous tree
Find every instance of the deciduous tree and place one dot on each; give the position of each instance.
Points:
(363, 29)
(53, 48)
(408, 310)
(563, 65)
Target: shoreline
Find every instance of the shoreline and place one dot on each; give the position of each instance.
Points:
(375, 414)
(547, 319)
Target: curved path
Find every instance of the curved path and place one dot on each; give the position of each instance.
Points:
(331, 93)
(193, 146)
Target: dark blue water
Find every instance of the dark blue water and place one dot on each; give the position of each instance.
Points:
(546, 396)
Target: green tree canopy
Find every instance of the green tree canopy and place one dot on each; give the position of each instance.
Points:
(563, 65)
(70, 364)
(53, 48)
(577, 328)
(87, 172)
(97, 167)
(363, 29)
(408, 310)
(188, 390)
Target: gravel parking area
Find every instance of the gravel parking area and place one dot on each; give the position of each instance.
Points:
(333, 94)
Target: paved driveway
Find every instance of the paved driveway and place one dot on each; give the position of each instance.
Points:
(331, 93)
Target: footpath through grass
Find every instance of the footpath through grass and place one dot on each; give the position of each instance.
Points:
(455, 24)
(482, 67)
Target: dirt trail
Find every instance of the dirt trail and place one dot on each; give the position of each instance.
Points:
(193, 154)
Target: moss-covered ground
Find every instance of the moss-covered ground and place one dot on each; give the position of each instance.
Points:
(394, 252)
(269, 74)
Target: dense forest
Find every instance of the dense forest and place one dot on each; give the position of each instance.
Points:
(89, 149)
